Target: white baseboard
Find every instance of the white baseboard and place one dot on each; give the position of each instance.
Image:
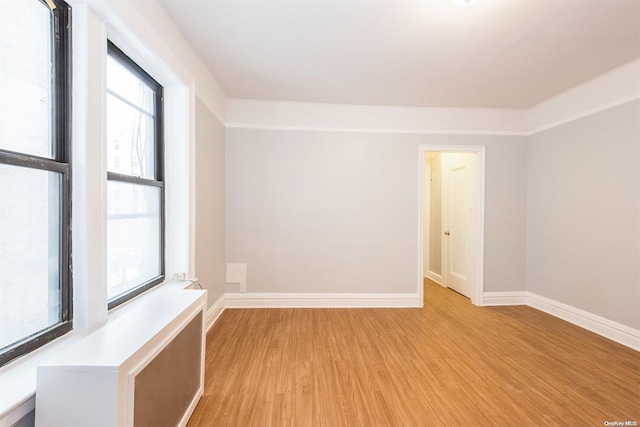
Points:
(215, 311)
(435, 277)
(504, 298)
(301, 300)
(614, 331)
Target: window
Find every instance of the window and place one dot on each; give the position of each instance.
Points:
(135, 187)
(35, 111)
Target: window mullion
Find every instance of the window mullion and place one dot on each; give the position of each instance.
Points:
(33, 162)
(114, 176)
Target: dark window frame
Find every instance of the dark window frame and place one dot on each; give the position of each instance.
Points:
(59, 163)
(158, 181)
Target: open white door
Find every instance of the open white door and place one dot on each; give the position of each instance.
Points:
(459, 183)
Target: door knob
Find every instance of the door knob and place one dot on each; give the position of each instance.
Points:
(446, 233)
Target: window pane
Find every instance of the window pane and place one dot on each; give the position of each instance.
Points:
(130, 140)
(125, 84)
(133, 236)
(25, 77)
(29, 252)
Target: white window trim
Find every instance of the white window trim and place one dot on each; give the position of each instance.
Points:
(89, 203)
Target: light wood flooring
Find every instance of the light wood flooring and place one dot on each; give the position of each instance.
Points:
(447, 364)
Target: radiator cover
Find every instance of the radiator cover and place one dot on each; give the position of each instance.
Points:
(165, 388)
(144, 368)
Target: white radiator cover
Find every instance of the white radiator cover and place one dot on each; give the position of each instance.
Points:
(93, 382)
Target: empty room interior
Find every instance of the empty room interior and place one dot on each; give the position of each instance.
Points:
(319, 213)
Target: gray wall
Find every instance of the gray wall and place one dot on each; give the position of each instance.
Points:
(338, 211)
(583, 214)
(210, 202)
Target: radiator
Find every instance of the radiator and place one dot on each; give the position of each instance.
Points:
(146, 368)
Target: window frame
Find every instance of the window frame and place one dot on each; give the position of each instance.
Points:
(60, 162)
(158, 181)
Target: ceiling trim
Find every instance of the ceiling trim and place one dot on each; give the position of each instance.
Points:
(586, 113)
(608, 90)
(287, 115)
(376, 130)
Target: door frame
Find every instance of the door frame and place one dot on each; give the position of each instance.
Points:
(477, 295)
(426, 218)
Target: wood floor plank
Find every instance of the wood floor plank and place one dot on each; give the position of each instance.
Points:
(449, 363)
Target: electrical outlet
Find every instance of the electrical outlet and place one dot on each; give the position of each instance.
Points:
(180, 276)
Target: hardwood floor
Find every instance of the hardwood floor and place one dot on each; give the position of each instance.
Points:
(449, 363)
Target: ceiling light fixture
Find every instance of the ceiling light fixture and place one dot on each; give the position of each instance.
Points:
(465, 3)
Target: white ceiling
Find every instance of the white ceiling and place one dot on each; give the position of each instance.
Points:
(498, 53)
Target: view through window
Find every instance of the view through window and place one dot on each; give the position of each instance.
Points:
(135, 189)
(35, 290)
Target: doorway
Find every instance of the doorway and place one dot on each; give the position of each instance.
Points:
(452, 218)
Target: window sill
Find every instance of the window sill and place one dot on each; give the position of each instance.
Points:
(18, 378)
